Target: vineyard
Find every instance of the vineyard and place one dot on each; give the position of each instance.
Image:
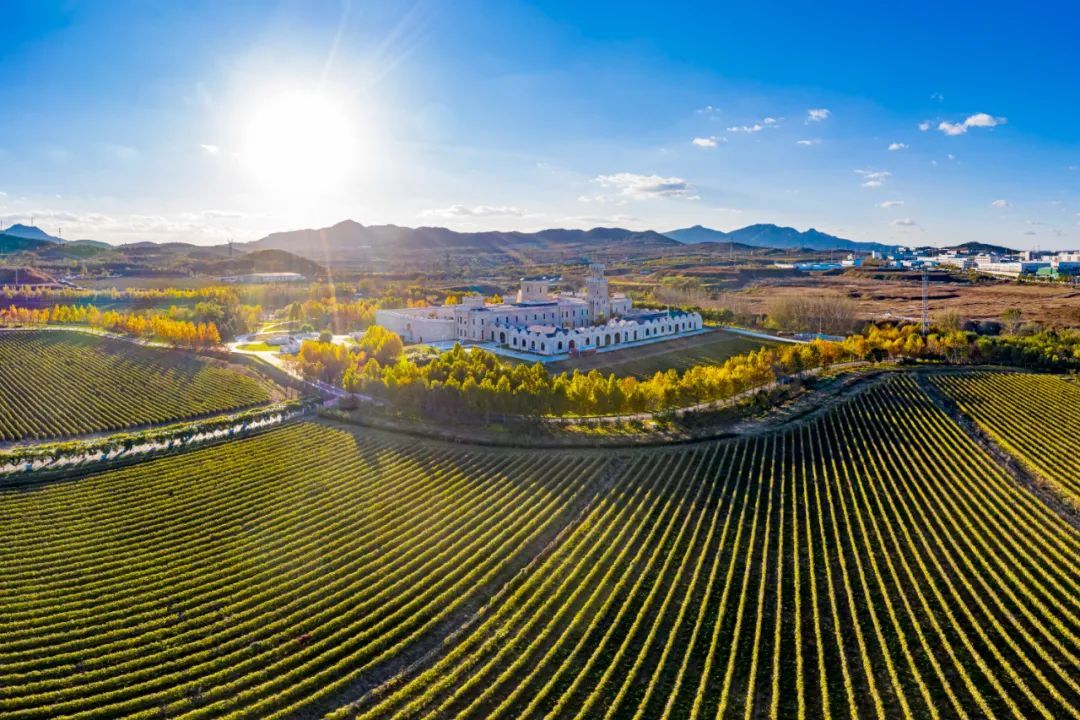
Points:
(1035, 417)
(872, 561)
(259, 576)
(63, 384)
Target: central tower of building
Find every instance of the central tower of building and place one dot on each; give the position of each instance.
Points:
(596, 294)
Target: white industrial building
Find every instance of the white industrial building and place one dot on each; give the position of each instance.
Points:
(542, 322)
(265, 277)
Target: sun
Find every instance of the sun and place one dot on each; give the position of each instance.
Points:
(299, 142)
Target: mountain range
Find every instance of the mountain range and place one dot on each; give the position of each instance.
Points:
(350, 238)
(774, 236)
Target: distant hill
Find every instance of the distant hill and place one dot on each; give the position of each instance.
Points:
(30, 232)
(24, 276)
(262, 261)
(978, 247)
(350, 239)
(773, 236)
(14, 243)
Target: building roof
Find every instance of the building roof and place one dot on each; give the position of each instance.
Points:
(541, 278)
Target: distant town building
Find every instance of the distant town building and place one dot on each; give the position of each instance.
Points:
(265, 277)
(1009, 268)
(542, 322)
(817, 266)
(1028, 262)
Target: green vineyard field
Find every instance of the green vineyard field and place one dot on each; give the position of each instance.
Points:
(64, 384)
(871, 561)
(1035, 417)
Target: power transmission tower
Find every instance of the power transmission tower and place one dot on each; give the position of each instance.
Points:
(925, 301)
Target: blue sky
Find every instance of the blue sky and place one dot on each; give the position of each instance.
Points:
(928, 124)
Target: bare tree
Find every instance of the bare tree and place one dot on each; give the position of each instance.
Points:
(828, 313)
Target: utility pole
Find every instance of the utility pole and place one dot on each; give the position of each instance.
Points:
(925, 301)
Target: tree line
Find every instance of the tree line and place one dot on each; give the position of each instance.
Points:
(152, 326)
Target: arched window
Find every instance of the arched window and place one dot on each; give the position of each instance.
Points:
(502, 338)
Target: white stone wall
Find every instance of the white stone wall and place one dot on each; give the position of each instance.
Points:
(419, 325)
(556, 341)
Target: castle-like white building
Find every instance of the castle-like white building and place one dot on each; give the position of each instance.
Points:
(542, 322)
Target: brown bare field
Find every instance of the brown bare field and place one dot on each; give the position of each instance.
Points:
(1056, 305)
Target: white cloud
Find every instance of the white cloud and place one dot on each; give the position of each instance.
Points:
(42, 217)
(768, 122)
(873, 178)
(1000, 203)
(708, 142)
(924, 125)
(221, 214)
(817, 114)
(897, 146)
(937, 96)
(607, 220)
(210, 149)
(811, 141)
(707, 110)
(984, 120)
(192, 226)
(904, 223)
(979, 120)
(891, 203)
(647, 186)
(463, 211)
